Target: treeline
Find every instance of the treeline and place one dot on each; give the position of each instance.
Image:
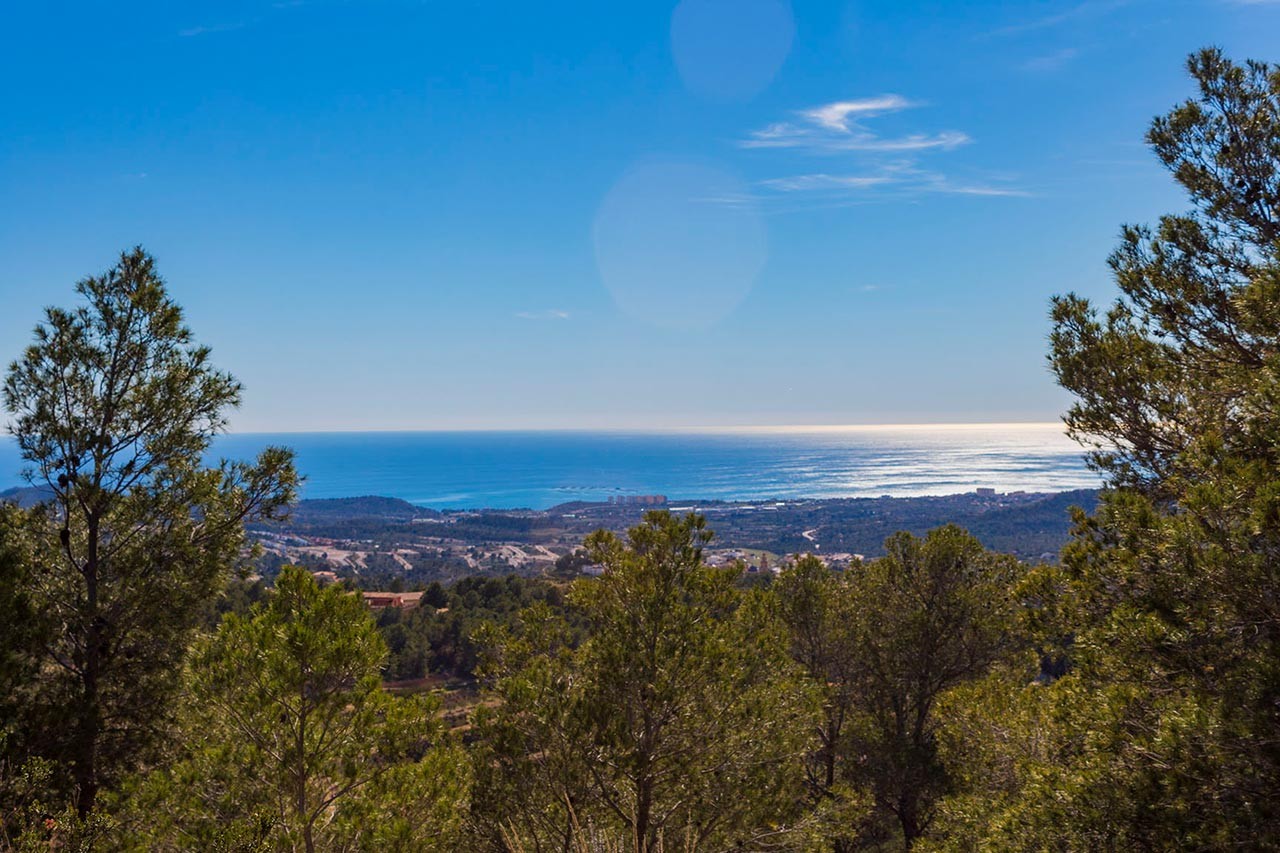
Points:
(441, 636)
(942, 697)
(437, 638)
(1029, 527)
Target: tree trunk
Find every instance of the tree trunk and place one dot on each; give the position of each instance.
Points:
(89, 722)
(829, 748)
(644, 795)
(84, 757)
(308, 840)
(910, 821)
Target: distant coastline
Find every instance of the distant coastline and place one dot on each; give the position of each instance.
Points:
(540, 469)
(364, 534)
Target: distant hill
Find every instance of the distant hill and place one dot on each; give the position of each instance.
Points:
(1019, 529)
(571, 506)
(1028, 525)
(27, 496)
(368, 517)
(370, 506)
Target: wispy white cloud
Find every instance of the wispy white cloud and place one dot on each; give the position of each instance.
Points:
(277, 7)
(1051, 61)
(944, 185)
(213, 28)
(892, 180)
(836, 116)
(883, 167)
(1087, 9)
(545, 314)
(838, 126)
(823, 181)
(740, 200)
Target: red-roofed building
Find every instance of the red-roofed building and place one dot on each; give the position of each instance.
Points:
(381, 600)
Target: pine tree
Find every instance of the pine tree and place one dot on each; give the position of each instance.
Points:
(678, 722)
(291, 742)
(1165, 731)
(889, 640)
(113, 409)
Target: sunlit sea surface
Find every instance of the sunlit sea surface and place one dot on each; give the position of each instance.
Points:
(466, 470)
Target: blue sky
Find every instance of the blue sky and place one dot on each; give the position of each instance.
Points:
(406, 215)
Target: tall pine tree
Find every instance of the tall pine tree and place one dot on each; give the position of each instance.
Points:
(113, 407)
(1165, 732)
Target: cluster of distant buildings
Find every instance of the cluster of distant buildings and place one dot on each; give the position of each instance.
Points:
(758, 563)
(398, 600)
(755, 563)
(376, 600)
(638, 500)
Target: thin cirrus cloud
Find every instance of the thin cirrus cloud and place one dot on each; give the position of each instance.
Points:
(1087, 9)
(838, 115)
(839, 126)
(1051, 61)
(823, 181)
(887, 166)
(899, 178)
(213, 28)
(280, 6)
(545, 314)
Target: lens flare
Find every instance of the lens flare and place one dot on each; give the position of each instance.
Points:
(679, 244)
(730, 50)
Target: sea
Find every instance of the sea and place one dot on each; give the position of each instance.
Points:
(537, 470)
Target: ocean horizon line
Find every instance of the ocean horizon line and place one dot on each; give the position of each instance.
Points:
(462, 469)
(727, 429)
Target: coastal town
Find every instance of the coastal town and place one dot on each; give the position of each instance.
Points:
(386, 544)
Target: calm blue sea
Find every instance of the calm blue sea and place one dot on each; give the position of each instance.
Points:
(465, 470)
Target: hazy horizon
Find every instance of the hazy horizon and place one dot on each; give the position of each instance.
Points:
(691, 428)
(537, 469)
(676, 428)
